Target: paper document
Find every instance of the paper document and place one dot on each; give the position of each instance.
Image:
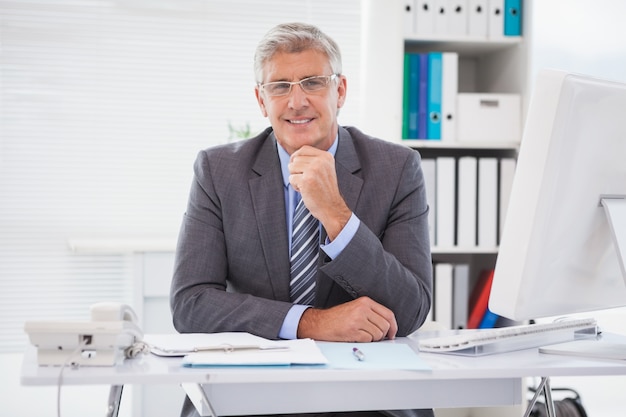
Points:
(377, 355)
(235, 349)
(297, 352)
(186, 343)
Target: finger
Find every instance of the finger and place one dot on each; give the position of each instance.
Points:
(296, 180)
(294, 185)
(385, 320)
(299, 161)
(393, 330)
(379, 327)
(306, 150)
(375, 334)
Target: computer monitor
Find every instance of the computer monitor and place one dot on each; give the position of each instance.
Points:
(560, 248)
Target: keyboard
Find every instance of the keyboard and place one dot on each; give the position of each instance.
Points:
(506, 339)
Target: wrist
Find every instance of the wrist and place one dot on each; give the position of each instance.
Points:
(306, 325)
(336, 222)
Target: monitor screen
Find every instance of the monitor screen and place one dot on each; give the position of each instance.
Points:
(558, 252)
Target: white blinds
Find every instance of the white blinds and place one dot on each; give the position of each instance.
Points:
(104, 105)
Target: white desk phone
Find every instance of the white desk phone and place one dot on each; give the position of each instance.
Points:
(110, 336)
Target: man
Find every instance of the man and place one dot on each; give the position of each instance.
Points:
(371, 273)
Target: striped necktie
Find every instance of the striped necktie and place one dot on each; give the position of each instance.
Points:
(304, 254)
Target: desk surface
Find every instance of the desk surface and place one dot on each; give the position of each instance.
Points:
(479, 381)
(150, 369)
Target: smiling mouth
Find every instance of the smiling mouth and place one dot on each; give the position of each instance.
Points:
(300, 122)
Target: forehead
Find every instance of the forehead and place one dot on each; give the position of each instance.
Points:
(285, 66)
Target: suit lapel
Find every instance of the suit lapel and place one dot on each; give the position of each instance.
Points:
(269, 209)
(348, 164)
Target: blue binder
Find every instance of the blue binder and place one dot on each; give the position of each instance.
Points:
(434, 96)
(512, 17)
(489, 320)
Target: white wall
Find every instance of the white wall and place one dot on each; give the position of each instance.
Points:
(580, 35)
(104, 107)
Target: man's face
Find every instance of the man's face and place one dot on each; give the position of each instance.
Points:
(301, 118)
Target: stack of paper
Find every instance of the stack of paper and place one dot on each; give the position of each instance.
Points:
(244, 349)
(235, 349)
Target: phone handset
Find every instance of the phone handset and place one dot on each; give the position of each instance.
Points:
(120, 312)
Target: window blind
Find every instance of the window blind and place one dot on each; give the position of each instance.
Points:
(104, 105)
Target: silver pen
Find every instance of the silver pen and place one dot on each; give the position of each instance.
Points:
(360, 356)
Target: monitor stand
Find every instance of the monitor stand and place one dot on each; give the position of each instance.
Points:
(603, 347)
(615, 209)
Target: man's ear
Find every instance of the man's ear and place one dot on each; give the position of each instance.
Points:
(342, 88)
(261, 100)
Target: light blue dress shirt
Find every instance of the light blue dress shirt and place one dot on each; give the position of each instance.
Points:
(289, 328)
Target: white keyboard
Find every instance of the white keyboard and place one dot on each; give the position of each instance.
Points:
(506, 339)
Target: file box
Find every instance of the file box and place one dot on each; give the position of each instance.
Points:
(483, 117)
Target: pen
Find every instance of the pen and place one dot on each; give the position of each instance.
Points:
(360, 356)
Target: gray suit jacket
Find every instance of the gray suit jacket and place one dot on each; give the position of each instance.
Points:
(232, 260)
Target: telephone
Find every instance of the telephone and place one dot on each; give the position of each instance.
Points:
(110, 336)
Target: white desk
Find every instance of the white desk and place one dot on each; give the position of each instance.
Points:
(454, 381)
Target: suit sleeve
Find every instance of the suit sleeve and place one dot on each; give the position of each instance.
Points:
(389, 257)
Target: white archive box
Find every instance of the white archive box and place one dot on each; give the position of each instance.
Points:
(483, 117)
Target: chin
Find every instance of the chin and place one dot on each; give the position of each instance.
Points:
(301, 138)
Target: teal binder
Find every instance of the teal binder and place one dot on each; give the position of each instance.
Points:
(433, 127)
(512, 17)
(422, 106)
(413, 95)
(405, 97)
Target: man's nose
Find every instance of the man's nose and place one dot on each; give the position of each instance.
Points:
(297, 96)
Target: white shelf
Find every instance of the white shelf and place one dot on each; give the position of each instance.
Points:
(469, 46)
(437, 144)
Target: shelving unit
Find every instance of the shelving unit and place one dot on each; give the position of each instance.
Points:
(493, 66)
(485, 66)
(497, 65)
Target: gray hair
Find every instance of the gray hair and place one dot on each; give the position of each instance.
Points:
(293, 38)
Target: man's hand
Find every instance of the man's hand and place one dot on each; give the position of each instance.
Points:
(360, 320)
(312, 173)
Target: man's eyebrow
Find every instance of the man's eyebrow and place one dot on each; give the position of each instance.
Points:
(278, 80)
(289, 81)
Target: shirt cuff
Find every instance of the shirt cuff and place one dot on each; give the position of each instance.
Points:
(289, 329)
(334, 248)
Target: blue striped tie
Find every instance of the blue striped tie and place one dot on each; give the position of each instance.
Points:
(304, 254)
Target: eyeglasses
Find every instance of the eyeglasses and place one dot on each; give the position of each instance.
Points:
(308, 85)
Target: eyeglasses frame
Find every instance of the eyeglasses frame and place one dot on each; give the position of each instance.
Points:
(328, 78)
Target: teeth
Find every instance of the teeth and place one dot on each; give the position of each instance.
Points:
(300, 121)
